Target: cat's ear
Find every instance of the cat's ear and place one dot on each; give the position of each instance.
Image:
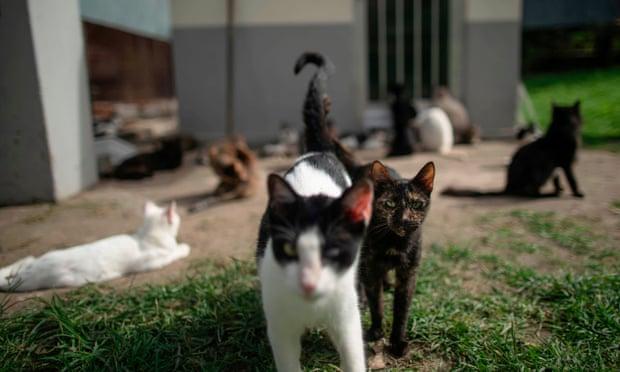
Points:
(150, 208)
(171, 211)
(356, 201)
(425, 177)
(280, 192)
(379, 173)
(577, 105)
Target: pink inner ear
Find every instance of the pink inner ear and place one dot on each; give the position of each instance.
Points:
(361, 208)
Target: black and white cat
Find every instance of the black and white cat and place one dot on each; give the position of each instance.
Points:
(308, 251)
(153, 246)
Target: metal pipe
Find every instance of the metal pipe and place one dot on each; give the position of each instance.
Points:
(230, 69)
(400, 41)
(417, 48)
(434, 44)
(382, 47)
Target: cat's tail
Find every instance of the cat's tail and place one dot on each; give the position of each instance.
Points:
(465, 193)
(314, 112)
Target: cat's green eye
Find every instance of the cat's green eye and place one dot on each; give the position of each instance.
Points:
(418, 204)
(289, 250)
(390, 204)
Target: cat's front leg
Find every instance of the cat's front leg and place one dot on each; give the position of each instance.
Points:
(373, 288)
(286, 346)
(403, 293)
(346, 333)
(183, 250)
(572, 181)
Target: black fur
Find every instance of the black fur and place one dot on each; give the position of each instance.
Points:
(394, 237)
(289, 214)
(402, 113)
(283, 222)
(394, 242)
(168, 156)
(535, 163)
(316, 134)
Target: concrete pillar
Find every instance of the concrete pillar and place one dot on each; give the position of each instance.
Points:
(46, 141)
(491, 63)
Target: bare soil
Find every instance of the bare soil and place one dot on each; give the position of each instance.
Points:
(229, 230)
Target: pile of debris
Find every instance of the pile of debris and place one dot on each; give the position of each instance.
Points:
(135, 139)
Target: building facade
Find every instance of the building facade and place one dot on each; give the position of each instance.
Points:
(472, 46)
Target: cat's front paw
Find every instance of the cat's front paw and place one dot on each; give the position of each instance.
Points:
(398, 348)
(374, 334)
(184, 250)
(579, 194)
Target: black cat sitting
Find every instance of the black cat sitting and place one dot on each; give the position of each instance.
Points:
(534, 164)
(402, 113)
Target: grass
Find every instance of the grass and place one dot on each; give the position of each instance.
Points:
(518, 319)
(599, 95)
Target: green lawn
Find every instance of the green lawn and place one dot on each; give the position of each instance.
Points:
(538, 292)
(599, 92)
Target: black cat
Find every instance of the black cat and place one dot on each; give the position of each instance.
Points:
(393, 238)
(402, 113)
(394, 242)
(168, 156)
(534, 164)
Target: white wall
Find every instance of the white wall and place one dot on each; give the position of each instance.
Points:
(61, 69)
(200, 13)
(25, 174)
(493, 10)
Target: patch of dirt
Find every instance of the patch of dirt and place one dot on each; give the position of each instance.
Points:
(423, 360)
(229, 230)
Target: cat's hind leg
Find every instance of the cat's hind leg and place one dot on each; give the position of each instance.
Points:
(9, 275)
(557, 190)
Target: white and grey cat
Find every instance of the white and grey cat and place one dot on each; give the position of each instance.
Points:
(153, 246)
(308, 248)
(434, 131)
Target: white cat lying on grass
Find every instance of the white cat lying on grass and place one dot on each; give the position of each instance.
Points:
(153, 246)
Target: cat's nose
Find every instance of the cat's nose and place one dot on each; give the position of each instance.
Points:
(308, 288)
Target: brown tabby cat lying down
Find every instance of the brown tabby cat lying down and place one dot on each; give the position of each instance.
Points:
(464, 130)
(236, 166)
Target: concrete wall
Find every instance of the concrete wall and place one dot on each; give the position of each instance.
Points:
(25, 172)
(491, 55)
(46, 143)
(143, 17)
(269, 36)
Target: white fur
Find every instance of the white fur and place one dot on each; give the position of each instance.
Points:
(289, 310)
(153, 246)
(435, 130)
(308, 180)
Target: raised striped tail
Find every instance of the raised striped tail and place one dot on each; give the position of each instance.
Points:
(314, 112)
